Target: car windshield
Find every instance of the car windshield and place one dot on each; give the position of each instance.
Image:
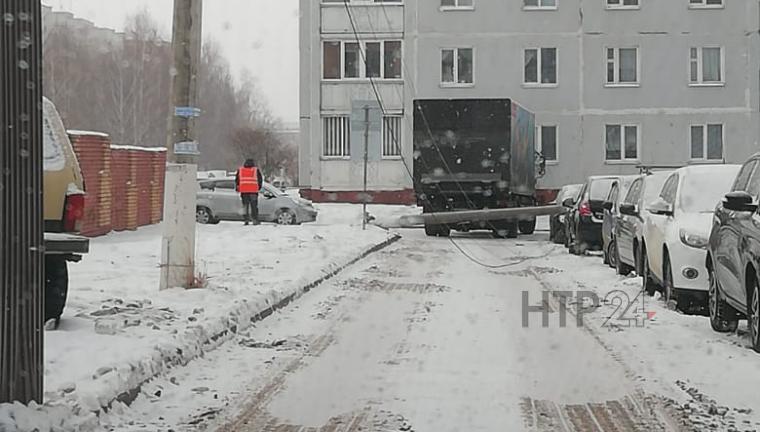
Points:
(701, 192)
(569, 192)
(653, 186)
(600, 189)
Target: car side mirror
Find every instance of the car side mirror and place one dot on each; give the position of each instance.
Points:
(628, 210)
(739, 201)
(607, 205)
(661, 207)
(568, 202)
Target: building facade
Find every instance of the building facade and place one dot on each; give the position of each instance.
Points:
(615, 84)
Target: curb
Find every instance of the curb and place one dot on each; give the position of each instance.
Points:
(215, 340)
(83, 411)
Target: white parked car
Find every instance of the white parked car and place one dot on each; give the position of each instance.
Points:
(677, 230)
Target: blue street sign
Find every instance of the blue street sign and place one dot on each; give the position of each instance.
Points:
(188, 148)
(187, 112)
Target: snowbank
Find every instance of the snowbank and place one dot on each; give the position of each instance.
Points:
(119, 331)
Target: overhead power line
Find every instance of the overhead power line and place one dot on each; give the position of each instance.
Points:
(397, 146)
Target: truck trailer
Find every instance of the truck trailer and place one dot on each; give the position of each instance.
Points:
(474, 154)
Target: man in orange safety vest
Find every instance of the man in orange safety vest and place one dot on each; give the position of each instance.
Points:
(248, 182)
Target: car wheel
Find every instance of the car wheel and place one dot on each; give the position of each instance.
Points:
(56, 286)
(722, 316)
(285, 217)
(513, 230)
(203, 216)
(612, 254)
(622, 268)
(753, 317)
(646, 279)
(527, 227)
(668, 292)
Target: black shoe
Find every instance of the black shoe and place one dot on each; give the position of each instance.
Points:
(246, 223)
(256, 223)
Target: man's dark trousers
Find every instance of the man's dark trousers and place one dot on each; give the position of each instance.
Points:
(251, 207)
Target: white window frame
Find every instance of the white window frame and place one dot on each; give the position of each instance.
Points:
(616, 61)
(362, 60)
(703, 5)
(621, 6)
(623, 160)
(456, 83)
(540, 141)
(700, 67)
(539, 64)
(399, 136)
(540, 6)
(457, 7)
(347, 138)
(705, 127)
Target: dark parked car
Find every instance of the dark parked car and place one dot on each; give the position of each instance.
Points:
(584, 219)
(611, 212)
(733, 256)
(557, 221)
(629, 227)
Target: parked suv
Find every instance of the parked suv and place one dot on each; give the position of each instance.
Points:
(218, 200)
(629, 227)
(557, 221)
(584, 219)
(611, 211)
(677, 232)
(733, 256)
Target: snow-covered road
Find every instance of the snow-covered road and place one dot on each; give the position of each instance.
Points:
(419, 337)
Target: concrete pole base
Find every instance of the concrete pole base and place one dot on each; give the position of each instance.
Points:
(178, 246)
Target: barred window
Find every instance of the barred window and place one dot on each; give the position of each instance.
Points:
(392, 136)
(336, 136)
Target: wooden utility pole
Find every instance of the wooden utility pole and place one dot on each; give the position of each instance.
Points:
(21, 219)
(178, 247)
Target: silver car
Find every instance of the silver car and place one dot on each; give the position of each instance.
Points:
(217, 200)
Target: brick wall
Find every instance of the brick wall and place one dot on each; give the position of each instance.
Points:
(124, 185)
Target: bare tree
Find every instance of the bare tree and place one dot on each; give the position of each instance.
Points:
(122, 87)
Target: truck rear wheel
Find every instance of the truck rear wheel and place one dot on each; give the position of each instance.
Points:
(56, 286)
(527, 227)
(437, 230)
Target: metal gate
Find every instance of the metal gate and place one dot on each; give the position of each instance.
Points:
(21, 217)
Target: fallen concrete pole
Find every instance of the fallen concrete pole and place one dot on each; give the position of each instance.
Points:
(456, 217)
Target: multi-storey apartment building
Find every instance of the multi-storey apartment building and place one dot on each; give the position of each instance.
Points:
(614, 83)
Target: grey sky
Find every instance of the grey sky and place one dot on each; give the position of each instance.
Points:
(258, 35)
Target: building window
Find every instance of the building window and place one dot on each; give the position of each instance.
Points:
(352, 60)
(331, 60)
(457, 4)
(392, 136)
(336, 136)
(706, 66)
(540, 66)
(707, 142)
(392, 59)
(706, 4)
(546, 142)
(457, 67)
(622, 142)
(622, 66)
(539, 4)
(622, 4)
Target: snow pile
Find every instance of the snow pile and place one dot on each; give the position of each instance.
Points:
(116, 312)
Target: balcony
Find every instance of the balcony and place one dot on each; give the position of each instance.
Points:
(370, 18)
(337, 96)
